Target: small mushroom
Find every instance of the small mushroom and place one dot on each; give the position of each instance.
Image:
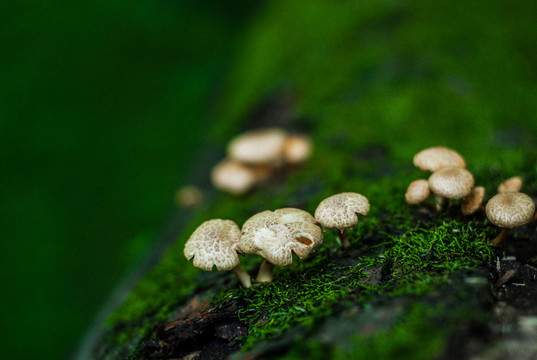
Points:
(511, 184)
(215, 243)
(188, 197)
(235, 177)
(259, 147)
(341, 211)
(417, 192)
(297, 149)
(438, 157)
(472, 203)
(508, 210)
(277, 235)
(451, 183)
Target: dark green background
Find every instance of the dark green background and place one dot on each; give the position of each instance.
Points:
(101, 108)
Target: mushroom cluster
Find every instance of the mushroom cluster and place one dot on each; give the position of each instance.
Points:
(449, 181)
(254, 156)
(510, 208)
(273, 235)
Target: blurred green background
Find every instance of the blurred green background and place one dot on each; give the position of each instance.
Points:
(102, 104)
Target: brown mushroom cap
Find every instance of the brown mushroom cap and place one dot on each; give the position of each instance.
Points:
(510, 209)
(438, 157)
(277, 235)
(451, 182)
(341, 211)
(297, 149)
(511, 184)
(258, 147)
(472, 203)
(417, 192)
(214, 243)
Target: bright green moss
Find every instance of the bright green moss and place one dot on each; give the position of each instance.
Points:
(375, 82)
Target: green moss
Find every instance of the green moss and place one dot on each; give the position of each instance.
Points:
(375, 82)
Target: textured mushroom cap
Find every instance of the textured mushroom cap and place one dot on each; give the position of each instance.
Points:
(510, 209)
(451, 182)
(511, 184)
(297, 149)
(214, 243)
(438, 157)
(233, 177)
(258, 146)
(472, 203)
(276, 235)
(341, 211)
(417, 192)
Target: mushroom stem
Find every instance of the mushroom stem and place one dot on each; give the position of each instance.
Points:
(500, 236)
(243, 276)
(343, 238)
(439, 202)
(428, 205)
(265, 272)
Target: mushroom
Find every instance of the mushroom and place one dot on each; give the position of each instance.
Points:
(214, 243)
(511, 184)
(471, 203)
(188, 196)
(341, 211)
(438, 157)
(417, 192)
(451, 183)
(235, 177)
(508, 210)
(297, 149)
(259, 147)
(277, 235)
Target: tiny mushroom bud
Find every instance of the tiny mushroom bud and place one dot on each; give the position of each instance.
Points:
(341, 211)
(417, 192)
(438, 157)
(215, 243)
(472, 203)
(259, 147)
(188, 196)
(508, 210)
(234, 177)
(511, 184)
(451, 183)
(277, 235)
(297, 149)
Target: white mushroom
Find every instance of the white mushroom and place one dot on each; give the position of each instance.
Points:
(259, 147)
(297, 149)
(508, 210)
(277, 235)
(236, 178)
(451, 183)
(341, 211)
(438, 157)
(417, 192)
(511, 184)
(472, 202)
(215, 243)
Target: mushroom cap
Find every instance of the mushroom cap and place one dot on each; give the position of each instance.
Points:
(276, 235)
(472, 203)
(341, 211)
(510, 209)
(438, 157)
(417, 192)
(214, 243)
(233, 177)
(451, 182)
(263, 146)
(511, 184)
(297, 149)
